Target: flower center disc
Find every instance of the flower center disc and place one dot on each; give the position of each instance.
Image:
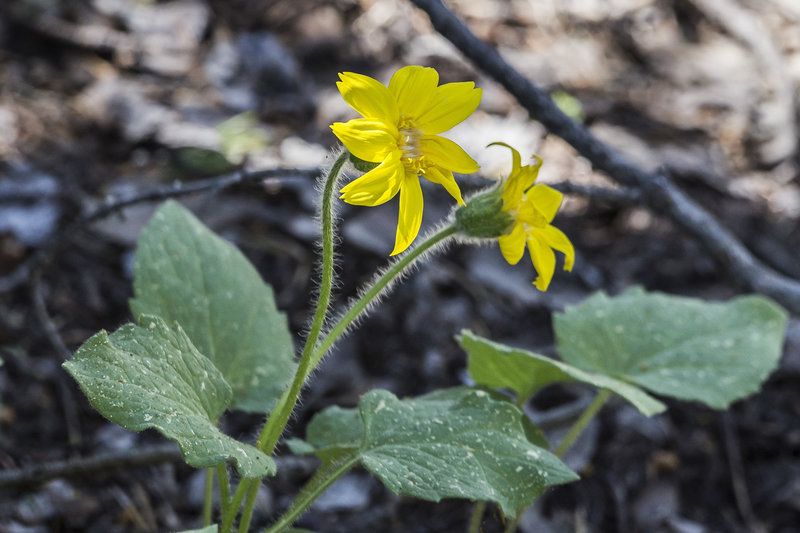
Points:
(409, 143)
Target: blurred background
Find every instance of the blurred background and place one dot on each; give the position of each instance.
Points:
(102, 99)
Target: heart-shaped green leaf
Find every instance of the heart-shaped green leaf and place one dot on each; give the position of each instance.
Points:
(497, 365)
(185, 273)
(453, 443)
(714, 353)
(151, 376)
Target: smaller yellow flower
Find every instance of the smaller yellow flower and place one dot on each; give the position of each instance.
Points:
(400, 131)
(533, 208)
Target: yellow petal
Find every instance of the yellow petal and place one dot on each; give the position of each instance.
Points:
(369, 97)
(447, 154)
(446, 180)
(452, 103)
(410, 213)
(413, 87)
(544, 260)
(546, 200)
(512, 246)
(556, 239)
(367, 139)
(377, 186)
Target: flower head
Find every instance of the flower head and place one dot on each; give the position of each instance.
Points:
(533, 208)
(400, 132)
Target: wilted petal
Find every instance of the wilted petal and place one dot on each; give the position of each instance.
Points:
(516, 159)
(544, 261)
(452, 103)
(445, 179)
(556, 239)
(414, 87)
(369, 97)
(519, 182)
(512, 246)
(367, 139)
(447, 154)
(377, 186)
(410, 217)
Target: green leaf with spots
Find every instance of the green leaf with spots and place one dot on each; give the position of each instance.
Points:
(185, 273)
(715, 353)
(453, 443)
(497, 365)
(151, 376)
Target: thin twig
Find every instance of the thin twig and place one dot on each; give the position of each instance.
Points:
(45, 320)
(738, 480)
(62, 238)
(136, 458)
(657, 190)
(291, 468)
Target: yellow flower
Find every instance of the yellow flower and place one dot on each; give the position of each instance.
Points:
(400, 131)
(533, 207)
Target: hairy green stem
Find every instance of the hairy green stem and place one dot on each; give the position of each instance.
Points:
(477, 515)
(319, 483)
(280, 415)
(208, 497)
(583, 421)
(249, 504)
(378, 286)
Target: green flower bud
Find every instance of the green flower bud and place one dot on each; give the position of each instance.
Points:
(483, 216)
(361, 165)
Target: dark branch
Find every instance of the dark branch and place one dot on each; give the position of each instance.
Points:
(620, 196)
(658, 191)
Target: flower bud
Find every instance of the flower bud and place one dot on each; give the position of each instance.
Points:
(483, 216)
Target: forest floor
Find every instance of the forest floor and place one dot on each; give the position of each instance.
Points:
(103, 99)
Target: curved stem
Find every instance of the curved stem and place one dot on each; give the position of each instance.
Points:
(583, 421)
(319, 483)
(280, 415)
(379, 285)
(208, 497)
(224, 487)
